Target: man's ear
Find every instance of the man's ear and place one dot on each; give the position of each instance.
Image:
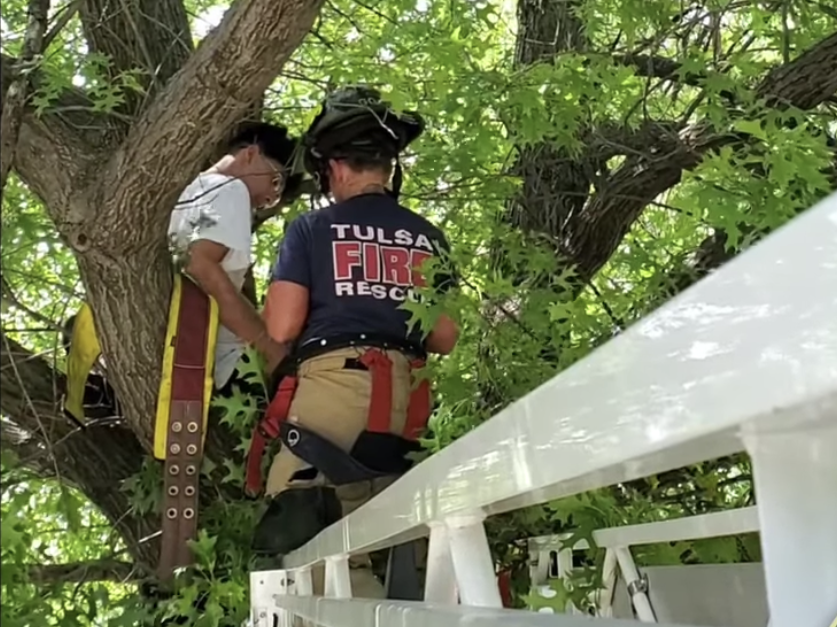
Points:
(250, 153)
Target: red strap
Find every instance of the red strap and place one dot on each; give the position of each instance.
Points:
(380, 405)
(268, 430)
(253, 480)
(418, 410)
(504, 583)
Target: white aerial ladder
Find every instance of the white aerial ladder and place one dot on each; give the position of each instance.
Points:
(744, 360)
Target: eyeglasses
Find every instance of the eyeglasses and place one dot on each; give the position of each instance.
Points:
(278, 174)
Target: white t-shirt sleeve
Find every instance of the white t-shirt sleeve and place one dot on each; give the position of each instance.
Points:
(226, 217)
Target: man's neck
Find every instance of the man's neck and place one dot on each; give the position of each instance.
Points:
(363, 187)
(226, 165)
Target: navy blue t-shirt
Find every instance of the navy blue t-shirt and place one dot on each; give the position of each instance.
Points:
(359, 260)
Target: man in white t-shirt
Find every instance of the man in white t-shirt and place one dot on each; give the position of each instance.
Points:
(212, 223)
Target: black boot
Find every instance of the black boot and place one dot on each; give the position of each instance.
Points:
(294, 517)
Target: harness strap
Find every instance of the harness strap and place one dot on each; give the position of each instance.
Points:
(185, 429)
(418, 411)
(268, 430)
(380, 366)
(380, 403)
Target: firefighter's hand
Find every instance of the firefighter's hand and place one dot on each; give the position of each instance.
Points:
(274, 352)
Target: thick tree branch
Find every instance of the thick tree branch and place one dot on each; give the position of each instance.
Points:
(95, 460)
(805, 82)
(17, 93)
(594, 234)
(83, 572)
(555, 182)
(546, 29)
(56, 148)
(152, 36)
(29, 391)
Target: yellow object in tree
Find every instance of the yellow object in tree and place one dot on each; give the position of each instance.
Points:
(84, 351)
(164, 397)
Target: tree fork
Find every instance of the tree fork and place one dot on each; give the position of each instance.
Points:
(121, 236)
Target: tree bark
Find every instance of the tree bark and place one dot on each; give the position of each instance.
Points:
(110, 180)
(611, 211)
(227, 73)
(150, 38)
(109, 189)
(583, 209)
(52, 156)
(554, 183)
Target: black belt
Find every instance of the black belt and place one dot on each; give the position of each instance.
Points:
(315, 348)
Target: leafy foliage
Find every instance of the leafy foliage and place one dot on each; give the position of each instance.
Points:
(651, 87)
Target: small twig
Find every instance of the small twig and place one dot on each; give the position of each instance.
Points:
(62, 18)
(620, 324)
(786, 44)
(376, 12)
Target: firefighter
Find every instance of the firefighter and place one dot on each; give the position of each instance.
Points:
(349, 406)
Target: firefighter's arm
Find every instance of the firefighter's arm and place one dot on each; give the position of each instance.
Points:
(445, 332)
(286, 303)
(285, 310)
(234, 310)
(442, 339)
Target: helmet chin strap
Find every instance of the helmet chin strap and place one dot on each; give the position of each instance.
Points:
(397, 179)
(321, 178)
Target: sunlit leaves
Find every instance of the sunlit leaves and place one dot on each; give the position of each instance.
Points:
(44, 523)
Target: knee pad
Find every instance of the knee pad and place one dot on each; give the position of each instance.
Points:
(294, 517)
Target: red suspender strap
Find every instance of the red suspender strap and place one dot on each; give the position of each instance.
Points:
(267, 431)
(418, 411)
(380, 405)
